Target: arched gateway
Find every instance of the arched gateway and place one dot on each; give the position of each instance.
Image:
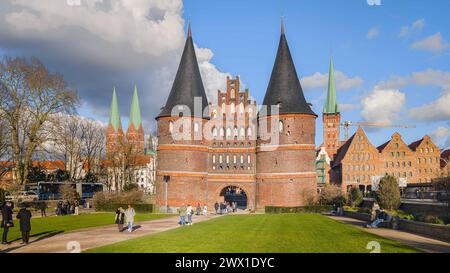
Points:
(236, 194)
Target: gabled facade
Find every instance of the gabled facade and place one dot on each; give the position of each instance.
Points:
(356, 163)
(397, 159)
(427, 157)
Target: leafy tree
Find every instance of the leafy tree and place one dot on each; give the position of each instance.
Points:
(355, 197)
(388, 195)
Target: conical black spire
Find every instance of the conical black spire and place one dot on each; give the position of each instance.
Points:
(187, 84)
(284, 87)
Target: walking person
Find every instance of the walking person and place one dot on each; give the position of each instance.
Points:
(120, 218)
(7, 221)
(24, 216)
(129, 215)
(205, 210)
(43, 207)
(198, 209)
(182, 212)
(216, 207)
(77, 207)
(189, 212)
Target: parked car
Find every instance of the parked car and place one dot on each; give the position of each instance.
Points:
(22, 196)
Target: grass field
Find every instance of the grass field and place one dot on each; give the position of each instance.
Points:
(52, 225)
(268, 233)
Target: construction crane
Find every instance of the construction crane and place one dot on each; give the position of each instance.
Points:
(347, 124)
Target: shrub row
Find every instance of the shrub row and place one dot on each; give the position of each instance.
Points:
(109, 207)
(311, 209)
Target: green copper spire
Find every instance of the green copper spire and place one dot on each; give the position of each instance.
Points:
(331, 106)
(114, 117)
(135, 113)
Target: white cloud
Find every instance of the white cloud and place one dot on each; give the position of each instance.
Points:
(100, 43)
(434, 43)
(372, 33)
(382, 105)
(429, 77)
(347, 107)
(414, 27)
(441, 136)
(319, 80)
(438, 110)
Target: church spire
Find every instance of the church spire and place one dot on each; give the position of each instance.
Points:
(187, 85)
(331, 106)
(135, 112)
(114, 117)
(284, 87)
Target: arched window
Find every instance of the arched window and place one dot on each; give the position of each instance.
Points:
(214, 159)
(228, 159)
(214, 132)
(171, 127)
(242, 132)
(235, 131)
(234, 159)
(214, 113)
(196, 127)
(220, 159)
(241, 108)
(248, 159)
(242, 159)
(228, 132)
(249, 131)
(222, 132)
(223, 108)
(280, 126)
(232, 110)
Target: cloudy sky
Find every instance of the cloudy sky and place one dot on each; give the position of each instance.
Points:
(392, 61)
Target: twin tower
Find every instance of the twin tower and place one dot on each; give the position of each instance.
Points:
(274, 166)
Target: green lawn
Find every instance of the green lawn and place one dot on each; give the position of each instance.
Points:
(52, 225)
(268, 233)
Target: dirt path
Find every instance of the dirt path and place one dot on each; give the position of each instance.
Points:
(80, 240)
(423, 243)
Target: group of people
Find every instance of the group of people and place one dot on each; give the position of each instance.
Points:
(187, 211)
(66, 208)
(225, 207)
(24, 217)
(127, 216)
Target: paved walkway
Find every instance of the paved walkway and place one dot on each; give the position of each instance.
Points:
(83, 239)
(423, 243)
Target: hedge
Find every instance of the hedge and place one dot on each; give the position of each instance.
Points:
(312, 209)
(142, 208)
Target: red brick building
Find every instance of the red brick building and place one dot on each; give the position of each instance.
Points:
(230, 150)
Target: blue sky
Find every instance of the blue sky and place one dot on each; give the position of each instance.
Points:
(244, 37)
(393, 59)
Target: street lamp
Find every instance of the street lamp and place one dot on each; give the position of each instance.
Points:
(166, 180)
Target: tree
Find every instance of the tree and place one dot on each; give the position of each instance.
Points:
(68, 192)
(355, 196)
(29, 97)
(442, 186)
(388, 194)
(330, 195)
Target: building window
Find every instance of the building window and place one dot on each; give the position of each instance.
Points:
(195, 127)
(214, 159)
(214, 132)
(242, 132)
(228, 132)
(222, 132)
(171, 127)
(248, 159)
(228, 159)
(249, 131)
(242, 159)
(220, 159)
(280, 126)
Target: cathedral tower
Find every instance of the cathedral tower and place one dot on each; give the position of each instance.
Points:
(331, 117)
(182, 151)
(135, 132)
(114, 132)
(286, 167)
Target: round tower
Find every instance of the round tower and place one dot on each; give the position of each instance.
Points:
(286, 139)
(181, 172)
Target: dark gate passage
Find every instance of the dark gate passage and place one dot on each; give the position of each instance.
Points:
(235, 194)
